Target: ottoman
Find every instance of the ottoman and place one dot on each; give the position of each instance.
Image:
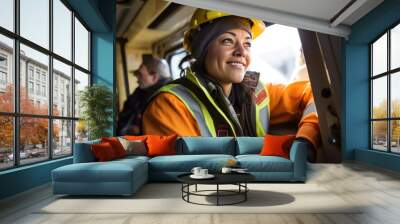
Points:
(118, 177)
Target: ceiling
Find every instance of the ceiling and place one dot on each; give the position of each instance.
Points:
(144, 23)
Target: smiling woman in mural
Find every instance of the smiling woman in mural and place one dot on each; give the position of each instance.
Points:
(218, 96)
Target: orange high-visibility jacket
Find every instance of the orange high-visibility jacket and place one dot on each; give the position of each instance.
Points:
(167, 114)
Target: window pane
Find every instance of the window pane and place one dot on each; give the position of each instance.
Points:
(379, 55)
(81, 45)
(379, 135)
(62, 89)
(379, 97)
(81, 131)
(7, 14)
(62, 29)
(34, 97)
(395, 94)
(395, 136)
(6, 74)
(35, 21)
(81, 81)
(395, 47)
(62, 138)
(6, 142)
(33, 140)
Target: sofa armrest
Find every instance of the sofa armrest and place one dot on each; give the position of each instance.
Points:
(83, 152)
(298, 155)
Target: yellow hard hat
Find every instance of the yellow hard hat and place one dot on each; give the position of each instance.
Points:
(202, 16)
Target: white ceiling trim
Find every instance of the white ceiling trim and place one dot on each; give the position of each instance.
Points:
(270, 15)
(348, 12)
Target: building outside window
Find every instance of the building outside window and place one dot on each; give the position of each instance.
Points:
(30, 87)
(385, 93)
(37, 74)
(38, 89)
(43, 78)
(30, 72)
(58, 133)
(3, 77)
(3, 61)
(43, 90)
(3, 72)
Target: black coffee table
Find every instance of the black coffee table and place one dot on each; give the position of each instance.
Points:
(238, 179)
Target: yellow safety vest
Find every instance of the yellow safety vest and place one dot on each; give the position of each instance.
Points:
(204, 115)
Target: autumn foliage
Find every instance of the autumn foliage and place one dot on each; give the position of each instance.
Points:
(32, 130)
(380, 127)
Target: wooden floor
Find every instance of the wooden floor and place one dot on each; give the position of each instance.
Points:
(354, 182)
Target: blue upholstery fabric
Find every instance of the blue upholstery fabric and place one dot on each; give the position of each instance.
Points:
(206, 145)
(249, 145)
(119, 177)
(298, 155)
(185, 163)
(83, 152)
(257, 163)
(167, 168)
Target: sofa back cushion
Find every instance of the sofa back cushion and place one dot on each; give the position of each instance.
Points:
(83, 153)
(161, 145)
(206, 145)
(133, 147)
(249, 145)
(116, 145)
(277, 145)
(104, 152)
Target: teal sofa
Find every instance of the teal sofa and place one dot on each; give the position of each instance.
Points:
(125, 176)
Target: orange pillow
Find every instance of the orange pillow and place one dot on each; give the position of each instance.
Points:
(116, 145)
(277, 145)
(135, 137)
(161, 145)
(103, 152)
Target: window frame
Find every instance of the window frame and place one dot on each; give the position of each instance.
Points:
(51, 118)
(388, 74)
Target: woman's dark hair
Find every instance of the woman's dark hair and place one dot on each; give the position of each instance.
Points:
(244, 106)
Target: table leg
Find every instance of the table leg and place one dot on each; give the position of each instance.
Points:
(217, 194)
(196, 188)
(245, 191)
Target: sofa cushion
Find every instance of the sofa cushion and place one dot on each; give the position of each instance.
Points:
(132, 159)
(103, 152)
(249, 145)
(161, 145)
(257, 163)
(133, 147)
(116, 170)
(206, 145)
(116, 145)
(185, 163)
(277, 145)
